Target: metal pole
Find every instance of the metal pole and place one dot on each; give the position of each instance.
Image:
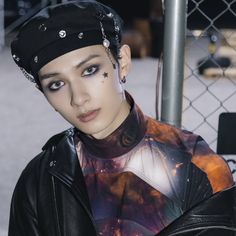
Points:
(2, 35)
(173, 61)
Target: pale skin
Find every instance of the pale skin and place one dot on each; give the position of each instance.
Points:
(86, 90)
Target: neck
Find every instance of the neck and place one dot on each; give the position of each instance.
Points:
(123, 114)
(127, 135)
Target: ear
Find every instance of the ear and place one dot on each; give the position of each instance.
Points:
(124, 61)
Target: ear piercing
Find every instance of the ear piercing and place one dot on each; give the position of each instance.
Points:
(123, 80)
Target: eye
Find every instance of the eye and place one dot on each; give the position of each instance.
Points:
(54, 86)
(90, 70)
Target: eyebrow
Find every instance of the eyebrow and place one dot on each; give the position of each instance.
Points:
(50, 75)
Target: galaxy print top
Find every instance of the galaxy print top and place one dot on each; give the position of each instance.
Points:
(146, 174)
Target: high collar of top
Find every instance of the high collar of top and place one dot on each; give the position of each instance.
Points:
(122, 140)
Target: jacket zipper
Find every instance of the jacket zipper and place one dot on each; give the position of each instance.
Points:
(55, 206)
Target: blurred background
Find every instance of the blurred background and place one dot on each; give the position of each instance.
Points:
(209, 80)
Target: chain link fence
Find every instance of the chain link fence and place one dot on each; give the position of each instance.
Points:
(210, 67)
(210, 61)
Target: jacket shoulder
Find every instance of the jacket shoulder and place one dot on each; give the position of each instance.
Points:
(41, 159)
(55, 139)
(36, 168)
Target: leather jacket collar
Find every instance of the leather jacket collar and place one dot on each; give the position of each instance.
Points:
(64, 165)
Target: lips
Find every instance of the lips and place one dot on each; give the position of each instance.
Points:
(88, 116)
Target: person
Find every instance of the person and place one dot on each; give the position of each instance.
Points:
(116, 171)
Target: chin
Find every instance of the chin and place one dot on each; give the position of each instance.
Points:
(98, 130)
(95, 132)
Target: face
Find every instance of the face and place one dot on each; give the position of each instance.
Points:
(85, 89)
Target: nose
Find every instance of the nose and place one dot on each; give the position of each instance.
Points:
(79, 95)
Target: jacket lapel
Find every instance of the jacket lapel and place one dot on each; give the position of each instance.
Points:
(64, 165)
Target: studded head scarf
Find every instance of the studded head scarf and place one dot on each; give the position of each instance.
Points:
(61, 28)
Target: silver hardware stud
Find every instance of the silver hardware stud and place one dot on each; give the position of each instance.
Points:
(81, 35)
(117, 29)
(15, 57)
(52, 163)
(110, 15)
(62, 33)
(42, 27)
(36, 59)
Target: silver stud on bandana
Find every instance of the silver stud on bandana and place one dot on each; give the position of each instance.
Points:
(36, 59)
(16, 58)
(62, 33)
(110, 15)
(81, 35)
(42, 27)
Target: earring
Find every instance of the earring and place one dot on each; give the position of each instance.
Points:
(123, 80)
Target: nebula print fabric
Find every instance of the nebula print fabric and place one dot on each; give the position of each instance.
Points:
(152, 178)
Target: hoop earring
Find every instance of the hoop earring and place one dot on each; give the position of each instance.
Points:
(123, 80)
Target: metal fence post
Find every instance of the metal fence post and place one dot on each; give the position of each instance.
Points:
(173, 61)
(2, 35)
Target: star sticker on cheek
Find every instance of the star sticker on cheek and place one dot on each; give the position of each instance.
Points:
(105, 74)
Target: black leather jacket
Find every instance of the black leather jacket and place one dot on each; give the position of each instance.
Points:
(215, 216)
(50, 199)
(55, 192)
